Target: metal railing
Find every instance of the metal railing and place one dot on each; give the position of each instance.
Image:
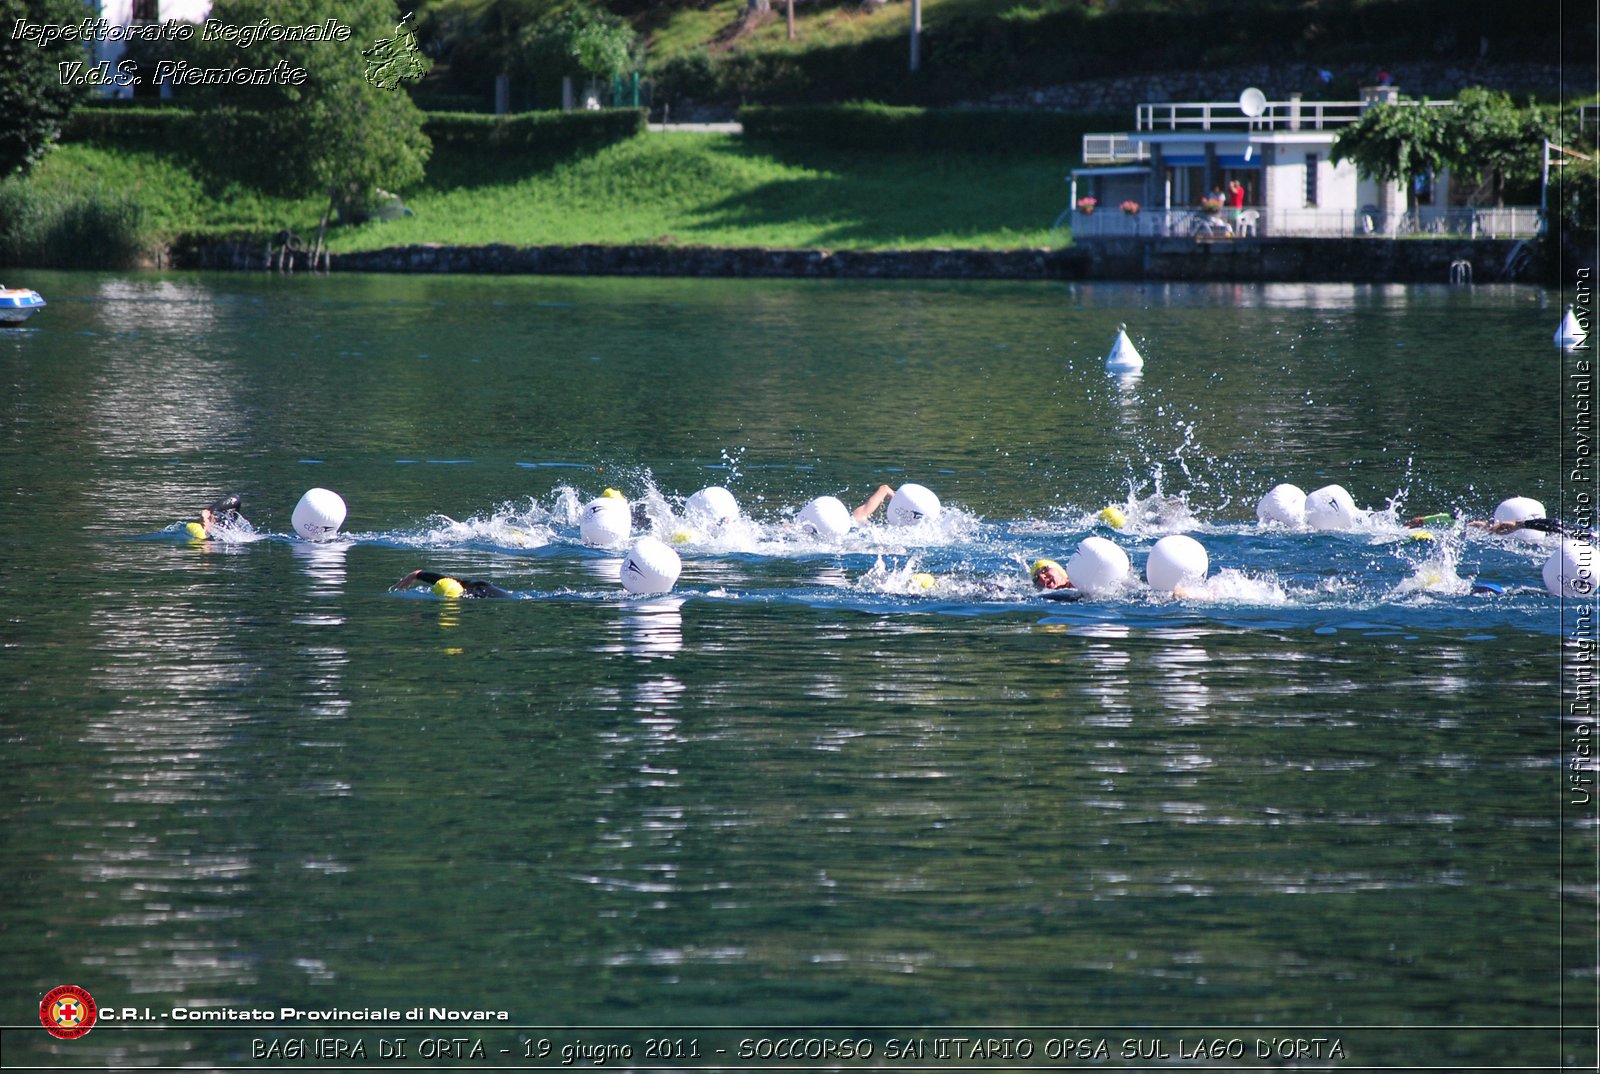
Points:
(1113, 149)
(1516, 222)
(1277, 115)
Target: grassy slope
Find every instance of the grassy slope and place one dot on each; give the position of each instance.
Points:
(717, 189)
(710, 189)
(173, 198)
(692, 29)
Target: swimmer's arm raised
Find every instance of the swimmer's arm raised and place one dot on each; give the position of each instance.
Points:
(417, 578)
(864, 512)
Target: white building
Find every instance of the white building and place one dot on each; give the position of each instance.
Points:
(1278, 152)
(120, 13)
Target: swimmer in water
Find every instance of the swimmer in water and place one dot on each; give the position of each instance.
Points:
(875, 501)
(1048, 574)
(1541, 525)
(1051, 577)
(225, 512)
(447, 585)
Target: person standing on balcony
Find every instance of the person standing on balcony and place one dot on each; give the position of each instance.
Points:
(1235, 200)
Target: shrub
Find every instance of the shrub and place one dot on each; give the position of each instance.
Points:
(544, 132)
(94, 228)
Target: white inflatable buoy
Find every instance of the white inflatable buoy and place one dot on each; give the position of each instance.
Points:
(826, 517)
(1175, 560)
(607, 521)
(1283, 504)
(1099, 567)
(714, 506)
(318, 515)
(1331, 508)
(651, 566)
(913, 504)
(1570, 571)
(1571, 332)
(1520, 509)
(1124, 357)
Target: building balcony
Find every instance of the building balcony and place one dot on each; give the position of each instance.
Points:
(1115, 148)
(1190, 117)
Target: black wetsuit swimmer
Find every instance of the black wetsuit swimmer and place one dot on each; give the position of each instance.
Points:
(223, 512)
(470, 587)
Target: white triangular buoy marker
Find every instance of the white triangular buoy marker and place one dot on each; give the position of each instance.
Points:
(1124, 357)
(1571, 333)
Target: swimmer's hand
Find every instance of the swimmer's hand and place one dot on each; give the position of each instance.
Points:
(875, 501)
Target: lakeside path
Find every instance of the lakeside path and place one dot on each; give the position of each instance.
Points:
(695, 128)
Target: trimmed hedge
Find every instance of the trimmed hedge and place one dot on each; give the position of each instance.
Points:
(882, 128)
(173, 128)
(131, 127)
(545, 132)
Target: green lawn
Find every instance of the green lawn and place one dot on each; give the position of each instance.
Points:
(719, 190)
(173, 198)
(693, 189)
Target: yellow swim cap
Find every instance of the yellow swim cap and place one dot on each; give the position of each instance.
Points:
(923, 580)
(1041, 564)
(1113, 517)
(613, 494)
(197, 531)
(682, 536)
(1421, 535)
(448, 587)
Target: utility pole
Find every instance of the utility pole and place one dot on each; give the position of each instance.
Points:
(790, 14)
(916, 35)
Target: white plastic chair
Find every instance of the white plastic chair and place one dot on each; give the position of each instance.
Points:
(1247, 221)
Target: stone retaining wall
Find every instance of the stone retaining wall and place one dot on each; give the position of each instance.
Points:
(660, 261)
(1278, 81)
(1131, 258)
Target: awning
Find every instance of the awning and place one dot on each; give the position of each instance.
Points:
(1122, 169)
(1224, 160)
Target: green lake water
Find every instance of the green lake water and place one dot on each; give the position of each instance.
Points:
(1327, 800)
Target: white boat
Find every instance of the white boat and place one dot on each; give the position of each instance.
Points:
(17, 304)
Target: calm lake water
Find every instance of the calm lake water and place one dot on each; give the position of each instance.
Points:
(1325, 799)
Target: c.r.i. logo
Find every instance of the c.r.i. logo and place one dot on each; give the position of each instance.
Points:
(68, 1011)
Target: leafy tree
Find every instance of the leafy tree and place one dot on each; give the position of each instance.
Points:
(479, 39)
(580, 41)
(1483, 137)
(1491, 139)
(33, 101)
(334, 130)
(1394, 141)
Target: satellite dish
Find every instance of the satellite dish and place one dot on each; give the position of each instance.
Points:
(1252, 102)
